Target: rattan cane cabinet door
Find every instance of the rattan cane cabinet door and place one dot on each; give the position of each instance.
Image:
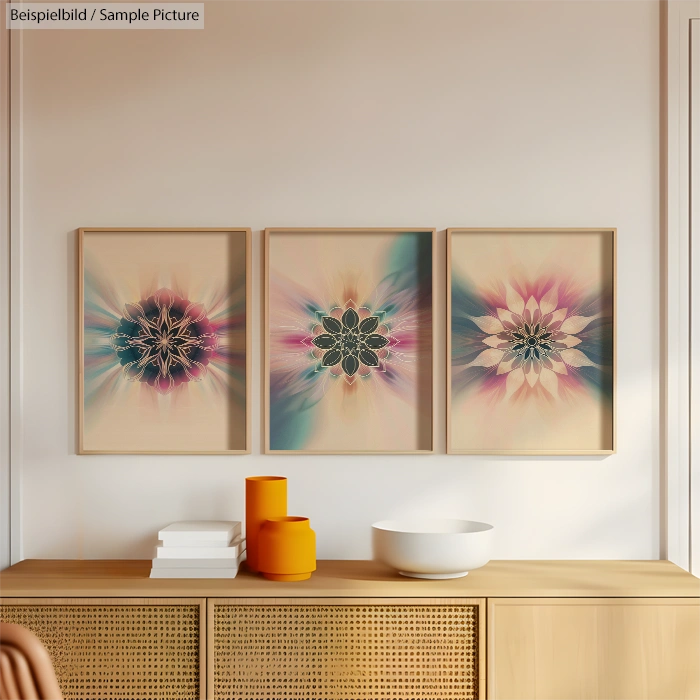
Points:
(345, 649)
(119, 649)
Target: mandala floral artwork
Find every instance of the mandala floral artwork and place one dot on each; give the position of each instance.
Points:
(164, 341)
(531, 342)
(350, 341)
(353, 342)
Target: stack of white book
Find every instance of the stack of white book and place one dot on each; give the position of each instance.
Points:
(199, 549)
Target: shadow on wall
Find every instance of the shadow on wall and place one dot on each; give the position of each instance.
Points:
(486, 490)
(72, 315)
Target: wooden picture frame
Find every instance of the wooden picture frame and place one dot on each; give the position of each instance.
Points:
(478, 287)
(367, 276)
(216, 262)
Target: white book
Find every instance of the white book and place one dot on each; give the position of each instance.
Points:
(202, 572)
(199, 563)
(200, 543)
(191, 533)
(194, 573)
(196, 552)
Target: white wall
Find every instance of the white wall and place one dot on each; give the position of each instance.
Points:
(345, 114)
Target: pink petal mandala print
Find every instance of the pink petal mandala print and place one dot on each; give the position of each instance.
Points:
(545, 339)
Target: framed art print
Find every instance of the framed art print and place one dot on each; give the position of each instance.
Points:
(164, 347)
(531, 341)
(349, 340)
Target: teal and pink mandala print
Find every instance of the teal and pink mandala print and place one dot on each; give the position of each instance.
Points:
(540, 340)
(164, 341)
(349, 348)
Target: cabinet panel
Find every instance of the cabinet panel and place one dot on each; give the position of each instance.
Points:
(118, 648)
(610, 649)
(364, 649)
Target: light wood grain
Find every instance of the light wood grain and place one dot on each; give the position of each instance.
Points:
(556, 629)
(81, 338)
(597, 648)
(42, 578)
(268, 234)
(612, 232)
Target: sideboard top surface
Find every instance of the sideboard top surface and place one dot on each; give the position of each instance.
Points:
(55, 578)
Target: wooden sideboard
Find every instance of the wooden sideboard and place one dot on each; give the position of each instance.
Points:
(357, 631)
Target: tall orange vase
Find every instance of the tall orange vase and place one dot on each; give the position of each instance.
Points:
(265, 498)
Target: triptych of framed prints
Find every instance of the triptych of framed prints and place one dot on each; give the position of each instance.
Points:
(349, 338)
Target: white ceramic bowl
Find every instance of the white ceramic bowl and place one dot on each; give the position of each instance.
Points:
(432, 548)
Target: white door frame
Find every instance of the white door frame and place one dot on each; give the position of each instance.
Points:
(11, 327)
(676, 283)
(695, 296)
(16, 290)
(5, 486)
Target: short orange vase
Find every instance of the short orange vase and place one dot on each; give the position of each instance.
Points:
(265, 497)
(287, 549)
